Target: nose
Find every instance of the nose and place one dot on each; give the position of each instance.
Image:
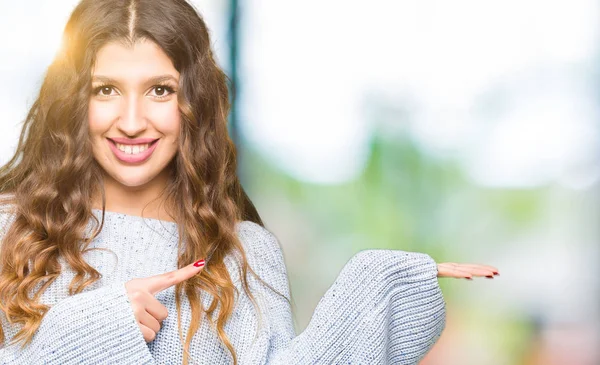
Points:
(132, 121)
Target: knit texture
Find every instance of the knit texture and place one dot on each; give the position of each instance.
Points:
(385, 307)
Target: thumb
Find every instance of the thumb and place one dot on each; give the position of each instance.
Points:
(158, 283)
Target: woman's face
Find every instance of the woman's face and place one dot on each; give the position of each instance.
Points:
(133, 113)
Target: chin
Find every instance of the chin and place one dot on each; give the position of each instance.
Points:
(133, 181)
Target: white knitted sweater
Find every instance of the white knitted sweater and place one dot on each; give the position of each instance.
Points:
(385, 307)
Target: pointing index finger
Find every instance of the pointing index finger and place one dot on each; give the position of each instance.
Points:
(161, 282)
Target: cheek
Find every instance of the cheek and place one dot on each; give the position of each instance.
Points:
(101, 116)
(165, 116)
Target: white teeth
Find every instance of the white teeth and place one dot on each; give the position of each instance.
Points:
(132, 150)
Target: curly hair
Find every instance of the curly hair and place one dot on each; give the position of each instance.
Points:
(52, 177)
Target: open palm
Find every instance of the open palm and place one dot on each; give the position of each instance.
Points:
(466, 271)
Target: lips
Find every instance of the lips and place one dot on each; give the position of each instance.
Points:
(149, 141)
(133, 158)
(133, 141)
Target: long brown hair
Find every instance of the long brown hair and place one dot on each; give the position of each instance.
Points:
(52, 177)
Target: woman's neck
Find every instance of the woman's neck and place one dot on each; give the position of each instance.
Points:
(144, 201)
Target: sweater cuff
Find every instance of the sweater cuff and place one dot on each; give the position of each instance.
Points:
(96, 326)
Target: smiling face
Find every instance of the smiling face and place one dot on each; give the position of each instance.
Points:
(134, 102)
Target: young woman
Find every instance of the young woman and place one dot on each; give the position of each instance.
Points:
(125, 176)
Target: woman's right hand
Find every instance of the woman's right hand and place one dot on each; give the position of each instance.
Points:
(149, 312)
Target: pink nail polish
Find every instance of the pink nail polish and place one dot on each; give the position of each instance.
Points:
(199, 263)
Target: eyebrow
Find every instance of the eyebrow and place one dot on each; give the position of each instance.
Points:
(152, 80)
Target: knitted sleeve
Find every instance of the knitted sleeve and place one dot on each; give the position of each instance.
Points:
(384, 307)
(93, 327)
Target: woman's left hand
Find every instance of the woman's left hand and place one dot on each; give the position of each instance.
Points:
(466, 271)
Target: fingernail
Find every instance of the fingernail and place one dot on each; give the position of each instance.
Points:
(469, 278)
(496, 273)
(199, 263)
(490, 276)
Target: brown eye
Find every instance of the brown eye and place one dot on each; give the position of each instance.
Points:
(162, 91)
(103, 90)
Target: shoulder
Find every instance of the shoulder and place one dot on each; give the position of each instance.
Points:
(7, 212)
(7, 215)
(255, 236)
(261, 245)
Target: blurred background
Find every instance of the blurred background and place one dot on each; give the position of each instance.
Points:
(468, 130)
